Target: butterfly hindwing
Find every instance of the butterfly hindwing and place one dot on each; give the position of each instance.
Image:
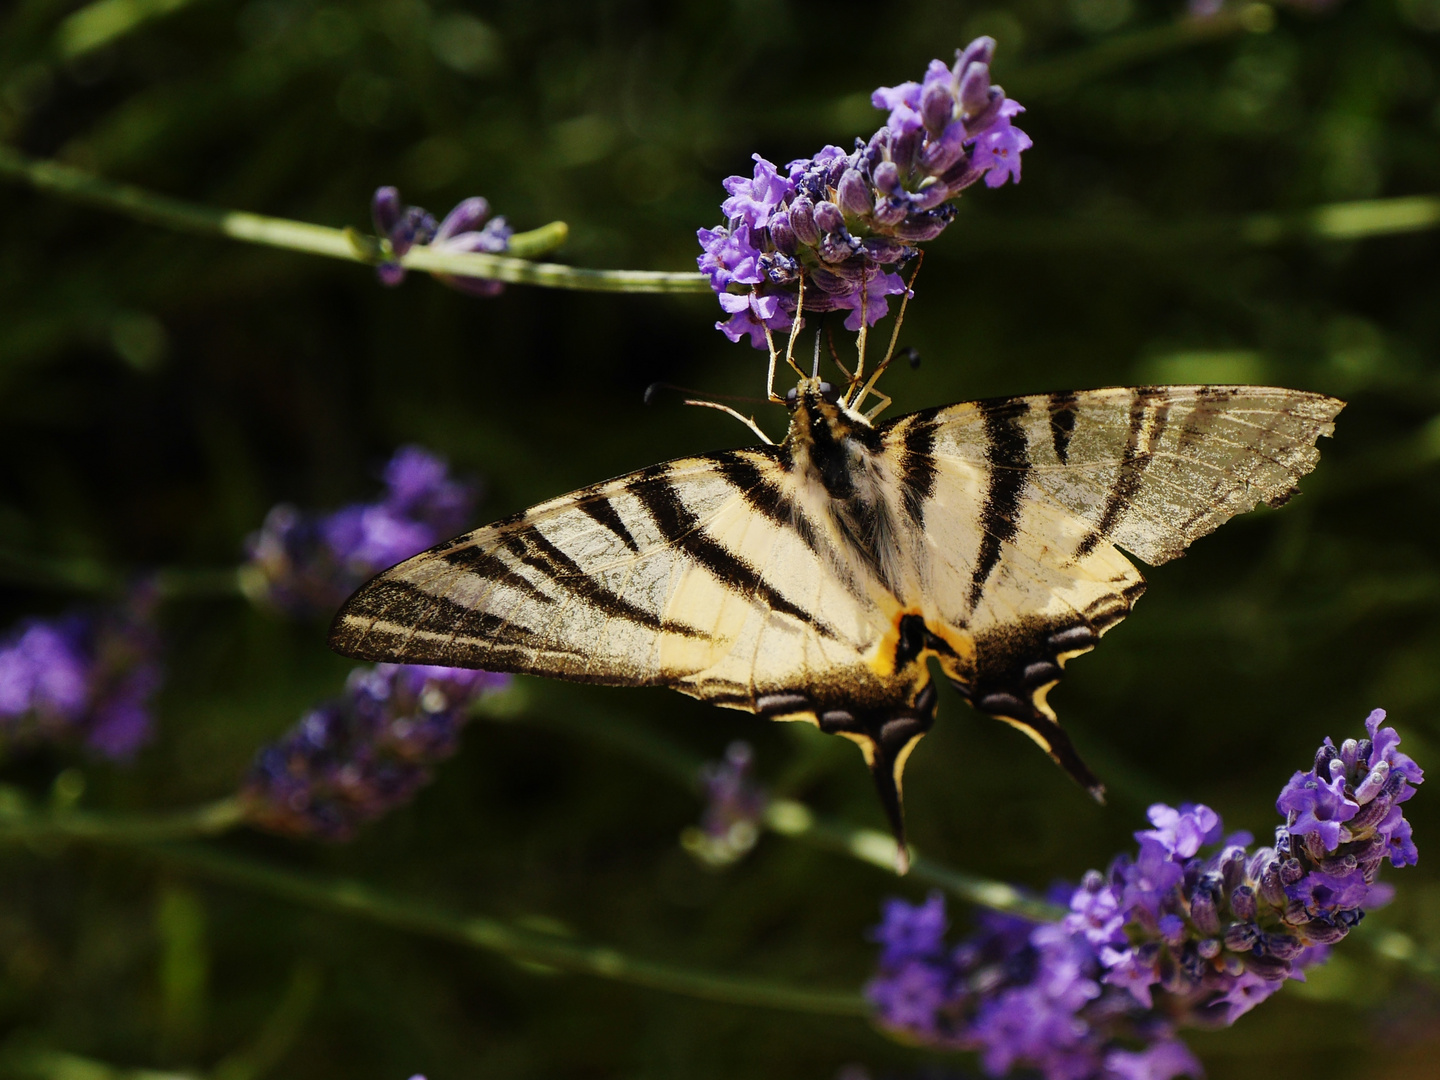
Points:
(1027, 499)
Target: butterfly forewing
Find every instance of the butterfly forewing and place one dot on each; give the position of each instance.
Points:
(690, 574)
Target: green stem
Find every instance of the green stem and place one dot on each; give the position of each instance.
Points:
(491, 935)
(18, 821)
(347, 244)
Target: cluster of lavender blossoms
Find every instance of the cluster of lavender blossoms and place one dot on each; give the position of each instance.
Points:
(845, 222)
(1194, 931)
(464, 229)
(734, 805)
(307, 564)
(86, 677)
(354, 759)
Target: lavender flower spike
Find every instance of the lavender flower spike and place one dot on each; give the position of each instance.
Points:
(1194, 931)
(464, 229)
(352, 760)
(734, 804)
(307, 564)
(86, 677)
(844, 221)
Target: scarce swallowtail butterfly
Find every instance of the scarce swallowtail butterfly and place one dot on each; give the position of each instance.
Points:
(816, 579)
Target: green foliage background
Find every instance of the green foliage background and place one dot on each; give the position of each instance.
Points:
(158, 392)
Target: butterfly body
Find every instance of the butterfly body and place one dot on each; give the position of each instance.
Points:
(817, 580)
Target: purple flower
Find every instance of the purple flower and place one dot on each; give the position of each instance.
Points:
(307, 564)
(734, 805)
(842, 222)
(464, 229)
(352, 760)
(1194, 931)
(86, 677)
(1316, 805)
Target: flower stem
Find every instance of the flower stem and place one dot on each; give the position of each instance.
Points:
(20, 821)
(71, 183)
(492, 935)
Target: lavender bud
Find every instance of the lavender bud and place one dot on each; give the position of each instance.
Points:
(974, 90)
(1291, 871)
(854, 194)
(920, 227)
(1281, 946)
(802, 221)
(1233, 964)
(781, 234)
(839, 283)
(1337, 864)
(1318, 932)
(1209, 948)
(941, 153)
(1337, 768)
(1204, 913)
(930, 195)
(1315, 844)
(987, 114)
(1266, 967)
(385, 209)
(1241, 937)
(1232, 867)
(890, 212)
(884, 250)
(1242, 902)
(979, 51)
(1323, 757)
(1364, 751)
(936, 107)
(1282, 841)
(1271, 889)
(1349, 753)
(903, 148)
(1373, 784)
(828, 217)
(961, 175)
(836, 248)
(1295, 913)
(887, 177)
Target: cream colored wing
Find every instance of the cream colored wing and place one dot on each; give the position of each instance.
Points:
(1021, 504)
(695, 574)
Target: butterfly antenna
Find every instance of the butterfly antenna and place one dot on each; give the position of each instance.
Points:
(890, 352)
(815, 367)
(748, 421)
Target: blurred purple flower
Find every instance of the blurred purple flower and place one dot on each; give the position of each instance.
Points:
(465, 229)
(734, 806)
(86, 677)
(843, 221)
(1172, 938)
(307, 564)
(352, 760)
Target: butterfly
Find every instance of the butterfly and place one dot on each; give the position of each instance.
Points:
(817, 579)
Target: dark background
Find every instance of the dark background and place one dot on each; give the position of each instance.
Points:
(158, 392)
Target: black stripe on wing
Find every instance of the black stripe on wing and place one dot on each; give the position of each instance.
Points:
(1007, 453)
(679, 526)
(1147, 402)
(533, 549)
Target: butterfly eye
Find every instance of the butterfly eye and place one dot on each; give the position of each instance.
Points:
(791, 396)
(829, 393)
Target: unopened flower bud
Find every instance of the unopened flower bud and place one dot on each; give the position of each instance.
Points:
(828, 217)
(979, 51)
(1242, 902)
(887, 177)
(781, 234)
(1318, 932)
(937, 106)
(853, 194)
(1373, 784)
(974, 88)
(802, 221)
